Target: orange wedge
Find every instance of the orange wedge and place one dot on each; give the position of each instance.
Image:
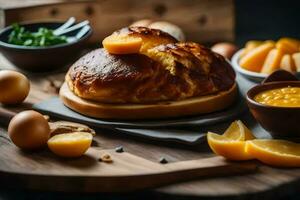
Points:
(122, 44)
(254, 59)
(272, 61)
(287, 63)
(252, 44)
(70, 144)
(231, 144)
(288, 45)
(296, 59)
(279, 153)
(238, 131)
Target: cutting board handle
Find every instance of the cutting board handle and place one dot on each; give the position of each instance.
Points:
(211, 166)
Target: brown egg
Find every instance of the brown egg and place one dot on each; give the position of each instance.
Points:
(170, 28)
(142, 22)
(14, 87)
(167, 27)
(29, 130)
(225, 49)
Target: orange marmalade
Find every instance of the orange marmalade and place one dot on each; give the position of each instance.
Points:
(280, 97)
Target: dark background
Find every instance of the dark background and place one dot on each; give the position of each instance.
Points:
(266, 19)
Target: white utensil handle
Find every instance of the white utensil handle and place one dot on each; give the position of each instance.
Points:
(68, 23)
(72, 28)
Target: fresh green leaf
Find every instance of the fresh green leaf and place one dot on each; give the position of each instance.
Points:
(43, 37)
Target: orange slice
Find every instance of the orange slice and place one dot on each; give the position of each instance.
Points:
(70, 144)
(231, 144)
(118, 44)
(287, 63)
(272, 61)
(254, 59)
(296, 59)
(279, 153)
(288, 45)
(252, 44)
(238, 131)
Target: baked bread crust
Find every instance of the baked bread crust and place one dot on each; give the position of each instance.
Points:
(163, 70)
(197, 61)
(168, 73)
(166, 78)
(108, 78)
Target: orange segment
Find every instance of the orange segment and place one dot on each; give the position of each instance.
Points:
(238, 131)
(231, 144)
(230, 149)
(122, 44)
(287, 63)
(70, 144)
(272, 61)
(279, 153)
(288, 45)
(248, 134)
(252, 44)
(296, 59)
(254, 60)
(233, 132)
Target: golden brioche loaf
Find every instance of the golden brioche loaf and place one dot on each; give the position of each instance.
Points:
(163, 71)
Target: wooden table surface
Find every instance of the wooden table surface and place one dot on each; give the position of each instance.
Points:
(266, 180)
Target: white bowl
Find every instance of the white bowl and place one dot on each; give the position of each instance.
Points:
(255, 76)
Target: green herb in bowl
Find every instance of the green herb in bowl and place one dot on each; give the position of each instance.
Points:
(42, 38)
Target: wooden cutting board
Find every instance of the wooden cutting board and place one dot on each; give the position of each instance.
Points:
(262, 183)
(44, 171)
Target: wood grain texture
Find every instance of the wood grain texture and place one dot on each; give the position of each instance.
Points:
(201, 20)
(266, 180)
(42, 170)
(12, 4)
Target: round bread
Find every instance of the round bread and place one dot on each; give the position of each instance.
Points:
(184, 71)
(165, 79)
(191, 106)
(107, 78)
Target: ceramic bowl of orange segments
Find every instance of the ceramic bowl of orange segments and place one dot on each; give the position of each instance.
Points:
(258, 59)
(275, 104)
